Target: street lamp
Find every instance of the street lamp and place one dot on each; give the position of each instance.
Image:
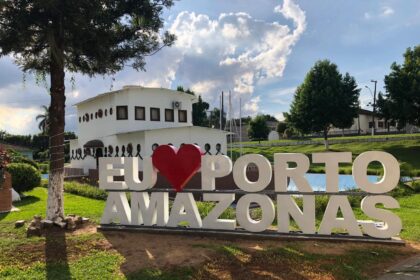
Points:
(374, 107)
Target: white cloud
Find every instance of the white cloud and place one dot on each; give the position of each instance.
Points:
(387, 11)
(383, 12)
(252, 106)
(18, 120)
(231, 52)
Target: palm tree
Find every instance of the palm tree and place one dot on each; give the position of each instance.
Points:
(43, 125)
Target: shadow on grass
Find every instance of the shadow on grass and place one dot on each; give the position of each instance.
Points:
(56, 266)
(25, 201)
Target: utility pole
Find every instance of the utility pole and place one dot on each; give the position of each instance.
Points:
(374, 108)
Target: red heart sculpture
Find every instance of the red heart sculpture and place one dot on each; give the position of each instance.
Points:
(178, 166)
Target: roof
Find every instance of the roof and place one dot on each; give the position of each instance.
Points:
(364, 112)
(128, 87)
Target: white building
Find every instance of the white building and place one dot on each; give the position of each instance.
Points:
(133, 121)
(363, 124)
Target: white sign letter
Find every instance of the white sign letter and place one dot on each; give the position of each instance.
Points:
(212, 219)
(264, 173)
(244, 218)
(213, 167)
(282, 171)
(185, 209)
(287, 207)
(331, 161)
(107, 171)
(392, 223)
(391, 172)
(149, 210)
(330, 220)
(132, 174)
(116, 209)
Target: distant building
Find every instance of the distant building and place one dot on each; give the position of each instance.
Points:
(363, 125)
(133, 121)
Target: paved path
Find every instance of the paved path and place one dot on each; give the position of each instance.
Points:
(406, 270)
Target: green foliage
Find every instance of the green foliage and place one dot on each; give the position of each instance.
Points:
(44, 120)
(118, 31)
(43, 168)
(24, 176)
(17, 157)
(416, 186)
(402, 100)
(326, 98)
(85, 190)
(281, 127)
(199, 112)
(258, 128)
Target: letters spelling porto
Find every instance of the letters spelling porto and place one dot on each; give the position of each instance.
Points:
(150, 208)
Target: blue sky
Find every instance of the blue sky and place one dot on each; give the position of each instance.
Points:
(260, 52)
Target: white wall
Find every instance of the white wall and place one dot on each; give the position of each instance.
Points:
(146, 139)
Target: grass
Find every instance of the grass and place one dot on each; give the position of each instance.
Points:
(86, 259)
(407, 152)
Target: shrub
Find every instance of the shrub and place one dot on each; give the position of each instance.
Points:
(17, 157)
(25, 177)
(416, 186)
(85, 190)
(43, 167)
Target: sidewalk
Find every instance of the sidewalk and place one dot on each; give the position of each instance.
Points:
(406, 270)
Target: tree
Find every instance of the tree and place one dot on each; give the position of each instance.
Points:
(401, 103)
(258, 128)
(199, 108)
(44, 123)
(214, 118)
(281, 127)
(94, 37)
(323, 100)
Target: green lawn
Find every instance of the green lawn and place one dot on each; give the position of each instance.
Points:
(407, 152)
(331, 138)
(83, 258)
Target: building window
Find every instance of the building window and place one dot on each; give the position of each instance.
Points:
(110, 111)
(381, 124)
(80, 119)
(370, 125)
(122, 112)
(182, 116)
(139, 113)
(169, 115)
(154, 114)
(100, 113)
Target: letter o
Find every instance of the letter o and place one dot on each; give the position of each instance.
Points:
(264, 170)
(267, 209)
(391, 172)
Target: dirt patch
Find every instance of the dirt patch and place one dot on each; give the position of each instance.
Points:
(143, 250)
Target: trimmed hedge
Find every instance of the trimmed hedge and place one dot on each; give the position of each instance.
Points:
(85, 190)
(25, 177)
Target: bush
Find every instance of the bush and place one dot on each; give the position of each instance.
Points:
(43, 168)
(416, 186)
(17, 157)
(85, 190)
(25, 177)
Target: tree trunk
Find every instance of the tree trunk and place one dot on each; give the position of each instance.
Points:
(327, 146)
(55, 203)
